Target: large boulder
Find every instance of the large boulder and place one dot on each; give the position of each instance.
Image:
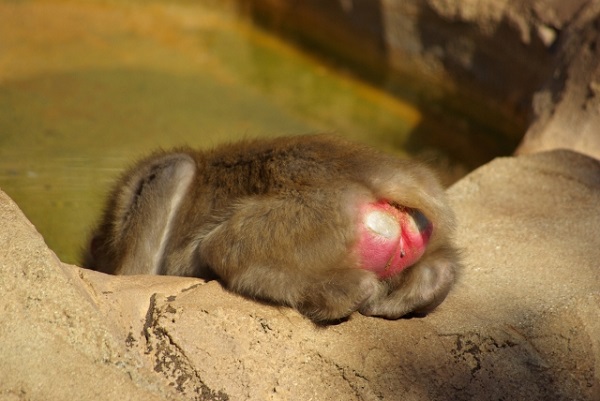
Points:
(522, 322)
(57, 344)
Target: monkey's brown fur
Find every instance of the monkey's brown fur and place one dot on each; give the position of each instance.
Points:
(276, 220)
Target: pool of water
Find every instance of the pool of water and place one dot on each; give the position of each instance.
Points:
(87, 87)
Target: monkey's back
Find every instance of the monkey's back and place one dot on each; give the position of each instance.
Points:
(267, 166)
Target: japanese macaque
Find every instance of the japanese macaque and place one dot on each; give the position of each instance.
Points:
(317, 223)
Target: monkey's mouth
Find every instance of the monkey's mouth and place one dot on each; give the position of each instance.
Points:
(391, 238)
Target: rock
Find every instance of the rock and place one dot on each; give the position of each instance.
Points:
(566, 109)
(522, 323)
(534, 63)
(56, 342)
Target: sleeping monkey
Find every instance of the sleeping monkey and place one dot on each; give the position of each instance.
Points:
(316, 223)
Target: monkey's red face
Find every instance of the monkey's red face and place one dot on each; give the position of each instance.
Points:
(391, 239)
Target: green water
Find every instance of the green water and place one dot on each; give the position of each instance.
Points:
(87, 87)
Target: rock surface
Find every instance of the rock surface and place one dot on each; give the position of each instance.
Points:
(521, 324)
(566, 109)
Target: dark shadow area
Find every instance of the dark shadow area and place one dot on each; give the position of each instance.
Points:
(507, 71)
(342, 32)
(486, 117)
(482, 365)
(499, 62)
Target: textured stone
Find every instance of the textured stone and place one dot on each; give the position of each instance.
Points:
(56, 343)
(566, 109)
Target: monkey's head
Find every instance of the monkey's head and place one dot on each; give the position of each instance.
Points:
(391, 238)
